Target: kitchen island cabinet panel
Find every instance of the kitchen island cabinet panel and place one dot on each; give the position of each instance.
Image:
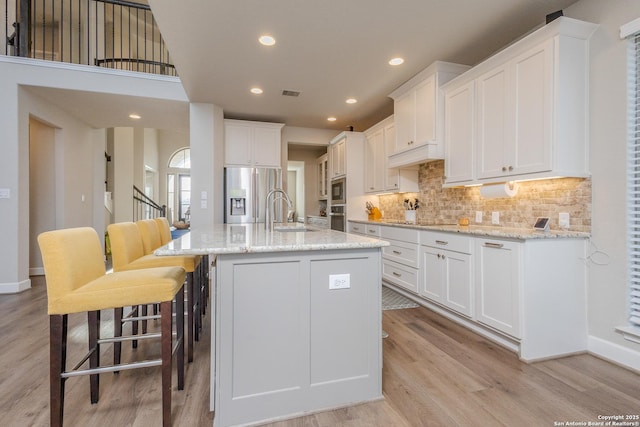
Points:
(286, 342)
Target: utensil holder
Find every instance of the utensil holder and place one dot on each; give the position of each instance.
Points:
(410, 216)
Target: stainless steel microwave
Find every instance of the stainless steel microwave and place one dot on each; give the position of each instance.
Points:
(339, 191)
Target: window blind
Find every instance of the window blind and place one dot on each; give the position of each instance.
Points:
(633, 179)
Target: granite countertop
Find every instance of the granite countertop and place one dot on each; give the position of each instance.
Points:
(253, 238)
(484, 230)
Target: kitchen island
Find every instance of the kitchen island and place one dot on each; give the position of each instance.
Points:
(296, 326)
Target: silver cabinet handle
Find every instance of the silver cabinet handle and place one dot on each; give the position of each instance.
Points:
(493, 245)
(373, 231)
(504, 169)
(397, 274)
(510, 168)
(441, 242)
(397, 252)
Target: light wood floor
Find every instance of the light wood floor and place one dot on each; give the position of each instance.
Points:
(435, 374)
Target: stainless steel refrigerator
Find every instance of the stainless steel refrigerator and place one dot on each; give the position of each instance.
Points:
(245, 192)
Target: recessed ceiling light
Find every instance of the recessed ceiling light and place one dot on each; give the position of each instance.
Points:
(135, 116)
(351, 101)
(331, 119)
(267, 40)
(396, 61)
(256, 90)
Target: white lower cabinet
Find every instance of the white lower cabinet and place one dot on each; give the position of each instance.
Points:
(446, 271)
(400, 259)
(497, 284)
(526, 294)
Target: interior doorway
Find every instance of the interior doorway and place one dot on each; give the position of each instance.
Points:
(42, 188)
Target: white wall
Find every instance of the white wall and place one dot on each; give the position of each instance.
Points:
(607, 291)
(81, 155)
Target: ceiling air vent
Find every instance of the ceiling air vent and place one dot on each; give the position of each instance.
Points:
(290, 93)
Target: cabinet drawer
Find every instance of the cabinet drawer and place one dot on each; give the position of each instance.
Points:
(401, 252)
(400, 275)
(357, 228)
(449, 241)
(372, 230)
(403, 234)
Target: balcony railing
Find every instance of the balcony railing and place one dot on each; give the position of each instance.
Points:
(107, 33)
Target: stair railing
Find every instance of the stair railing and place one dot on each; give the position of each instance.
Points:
(144, 207)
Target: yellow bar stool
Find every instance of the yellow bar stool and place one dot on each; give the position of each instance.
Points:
(77, 282)
(127, 251)
(151, 240)
(203, 274)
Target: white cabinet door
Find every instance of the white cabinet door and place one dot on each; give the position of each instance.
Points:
(425, 112)
(530, 151)
(238, 142)
(458, 290)
(459, 134)
(374, 162)
(404, 117)
(497, 285)
(249, 143)
(432, 277)
(492, 130)
(266, 148)
(515, 112)
(391, 175)
(337, 152)
(322, 171)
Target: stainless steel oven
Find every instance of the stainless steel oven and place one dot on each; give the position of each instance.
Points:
(339, 191)
(337, 217)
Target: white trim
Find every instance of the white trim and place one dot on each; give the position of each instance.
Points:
(614, 353)
(15, 287)
(36, 271)
(630, 28)
(630, 333)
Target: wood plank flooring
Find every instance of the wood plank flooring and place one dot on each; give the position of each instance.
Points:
(435, 373)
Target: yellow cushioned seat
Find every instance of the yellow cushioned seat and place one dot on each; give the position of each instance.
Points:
(165, 230)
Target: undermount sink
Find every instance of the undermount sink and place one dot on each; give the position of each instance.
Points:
(292, 229)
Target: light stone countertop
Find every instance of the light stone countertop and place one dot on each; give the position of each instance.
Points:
(485, 230)
(253, 238)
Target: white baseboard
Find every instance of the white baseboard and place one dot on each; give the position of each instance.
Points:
(614, 353)
(15, 287)
(36, 271)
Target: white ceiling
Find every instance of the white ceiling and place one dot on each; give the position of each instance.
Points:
(329, 50)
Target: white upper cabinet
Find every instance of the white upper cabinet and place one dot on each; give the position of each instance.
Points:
(531, 110)
(418, 115)
(322, 165)
(337, 154)
(255, 144)
(459, 131)
(374, 161)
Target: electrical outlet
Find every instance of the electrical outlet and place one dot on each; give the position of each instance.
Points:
(478, 217)
(564, 220)
(339, 281)
(495, 218)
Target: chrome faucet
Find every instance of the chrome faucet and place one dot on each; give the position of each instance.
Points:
(268, 223)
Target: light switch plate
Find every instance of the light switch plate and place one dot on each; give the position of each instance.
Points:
(5, 193)
(564, 220)
(478, 217)
(339, 281)
(495, 218)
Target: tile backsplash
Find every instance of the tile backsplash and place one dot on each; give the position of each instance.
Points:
(546, 198)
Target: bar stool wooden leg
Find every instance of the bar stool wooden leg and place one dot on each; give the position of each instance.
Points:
(94, 348)
(58, 357)
(190, 326)
(166, 326)
(180, 338)
(117, 332)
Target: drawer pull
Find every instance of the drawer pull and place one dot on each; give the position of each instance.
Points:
(397, 274)
(356, 228)
(397, 252)
(373, 231)
(442, 242)
(493, 245)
